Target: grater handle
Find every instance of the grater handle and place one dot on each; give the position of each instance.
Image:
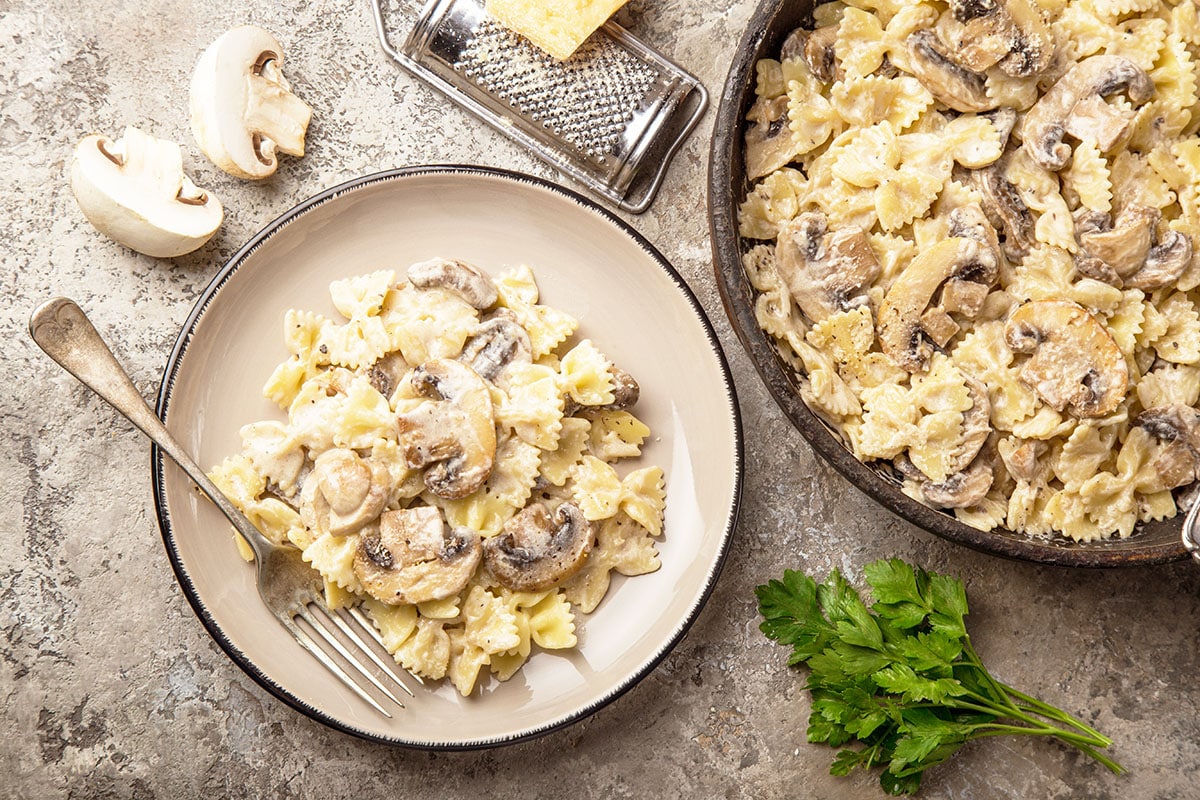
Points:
(381, 29)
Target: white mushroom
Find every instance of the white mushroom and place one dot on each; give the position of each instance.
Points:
(134, 191)
(415, 558)
(817, 48)
(902, 334)
(1009, 34)
(1177, 429)
(769, 141)
(1127, 251)
(1007, 212)
(1075, 363)
(537, 549)
(344, 492)
(453, 432)
(242, 108)
(498, 342)
(825, 271)
(1052, 117)
(953, 84)
(465, 280)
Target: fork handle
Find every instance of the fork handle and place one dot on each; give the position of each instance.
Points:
(60, 327)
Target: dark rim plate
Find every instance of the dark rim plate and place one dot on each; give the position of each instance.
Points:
(220, 592)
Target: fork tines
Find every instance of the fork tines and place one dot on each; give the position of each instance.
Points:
(352, 624)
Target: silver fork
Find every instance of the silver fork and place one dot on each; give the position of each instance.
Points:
(288, 586)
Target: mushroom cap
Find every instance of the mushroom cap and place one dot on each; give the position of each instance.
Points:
(1177, 429)
(134, 191)
(1075, 363)
(415, 557)
(242, 109)
(453, 432)
(538, 549)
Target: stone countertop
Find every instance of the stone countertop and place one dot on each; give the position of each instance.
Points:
(112, 688)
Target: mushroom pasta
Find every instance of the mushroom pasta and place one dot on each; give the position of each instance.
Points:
(974, 234)
(450, 462)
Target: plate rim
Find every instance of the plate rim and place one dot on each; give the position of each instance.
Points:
(162, 409)
(737, 301)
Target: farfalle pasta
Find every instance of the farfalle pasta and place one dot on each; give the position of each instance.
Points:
(973, 231)
(452, 462)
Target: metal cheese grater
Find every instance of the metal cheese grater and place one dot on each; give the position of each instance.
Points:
(611, 116)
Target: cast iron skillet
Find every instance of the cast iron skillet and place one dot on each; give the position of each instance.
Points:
(1156, 543)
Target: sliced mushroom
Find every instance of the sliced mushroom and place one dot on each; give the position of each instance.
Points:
(625, 390)
(537, 549)
(1050, 119)
(825, 271)
(816, 48)
(900, 333)
(1165, 262)
(1010, 34)
(1003, 119)
(1005, 209)
(962, 489)
(1075, 363)
(1094, 120)
(1126, 252)
(385, 374)
(1022, 460)
(415, 557)
(951, 83)
(242, 109)
(976, 425)
(1121, 246)
(344, 492)
(465, 280)
(769, 142)
(1177, 427)
(453, 433)
(496, 343)
(134, 191)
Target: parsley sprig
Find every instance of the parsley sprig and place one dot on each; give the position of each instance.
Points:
(900, 679)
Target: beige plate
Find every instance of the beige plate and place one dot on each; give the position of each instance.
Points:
(628, 300)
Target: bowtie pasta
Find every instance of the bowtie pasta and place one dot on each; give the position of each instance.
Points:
(449, 462)
(974, 233)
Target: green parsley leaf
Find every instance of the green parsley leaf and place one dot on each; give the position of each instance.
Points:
(897, 683)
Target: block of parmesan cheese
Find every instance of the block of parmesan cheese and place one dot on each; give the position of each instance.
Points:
(556, 26)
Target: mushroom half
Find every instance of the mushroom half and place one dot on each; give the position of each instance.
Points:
(415, 557)
(242, 109)
(538, 549)
(452, 433)
(134, 191)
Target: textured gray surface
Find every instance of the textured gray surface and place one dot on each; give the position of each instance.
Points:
(110, 686)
